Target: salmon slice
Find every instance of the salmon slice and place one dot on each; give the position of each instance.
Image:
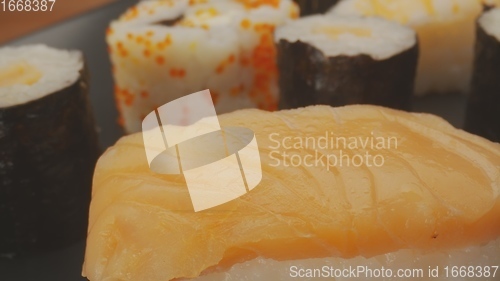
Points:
(437, 189)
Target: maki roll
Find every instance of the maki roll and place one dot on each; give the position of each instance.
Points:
(446, 36)
(309, 7)
(483, 111)
(346, 60)
(48, 148)
(163, 50)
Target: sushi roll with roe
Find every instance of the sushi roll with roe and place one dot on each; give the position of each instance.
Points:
(162, 50)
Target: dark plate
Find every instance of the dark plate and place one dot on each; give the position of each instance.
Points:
(86, 33)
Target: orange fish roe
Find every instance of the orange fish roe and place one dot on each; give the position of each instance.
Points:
(272, 106)
(219, 69)
(124, 95)
(144, 94)
(246, 23)
(164, 44)
(177, 72)
(223, 64)
(261, 82)
(236, 91)
(149, 33)
(263, 55)
(168, 39)
(120, 120)
(251, 4)
(264, 27)
(212, 12)
(147, 53)
(186, 23)
(215, 96)
(130, 36)
(139, 39)
(161, 46)
(130, 14)
(263, 61)
(129, 97)
(244, 61)
(109, 31)
(123, 53)
(160, 60)
(121, 49)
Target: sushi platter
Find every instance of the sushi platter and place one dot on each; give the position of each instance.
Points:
(278, 68)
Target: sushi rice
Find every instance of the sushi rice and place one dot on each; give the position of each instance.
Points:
(163, 50)
(490, 22)
(412, 264)
(28, 73)
(350, 36)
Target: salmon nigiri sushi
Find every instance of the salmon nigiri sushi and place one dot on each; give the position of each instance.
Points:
(357, 191)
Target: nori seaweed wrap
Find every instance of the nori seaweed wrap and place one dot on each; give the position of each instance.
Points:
(483, 108)
(48, 149)
(309, 7)
(445, 31)
(346, 60)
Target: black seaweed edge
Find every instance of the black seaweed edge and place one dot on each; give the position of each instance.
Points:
(311, 7)
(483, 105)
(306, 77)
(28, 225)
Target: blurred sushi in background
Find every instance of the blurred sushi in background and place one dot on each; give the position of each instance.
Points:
(48, 148)
(163, 50)
(483, 111)
(310, 7)
(491, 3)
(446, 35)
(341, 60)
